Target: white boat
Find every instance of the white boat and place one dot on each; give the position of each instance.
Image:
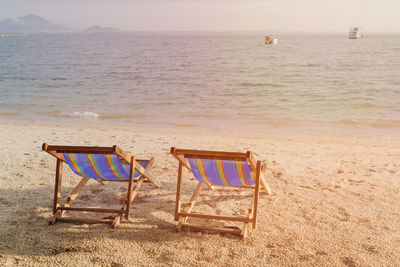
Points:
(355, 33)
(271, 40)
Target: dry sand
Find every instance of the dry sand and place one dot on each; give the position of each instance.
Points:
(336, 202)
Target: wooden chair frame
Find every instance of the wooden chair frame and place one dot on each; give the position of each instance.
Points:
(258, 173)
(60, 209)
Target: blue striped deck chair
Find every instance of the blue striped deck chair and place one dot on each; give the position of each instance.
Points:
(223, 169)
(100, 164)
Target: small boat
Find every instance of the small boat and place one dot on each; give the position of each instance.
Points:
(271, 40)
(355, 33)
(1, 34)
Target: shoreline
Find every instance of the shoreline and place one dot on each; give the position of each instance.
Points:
(284, 132)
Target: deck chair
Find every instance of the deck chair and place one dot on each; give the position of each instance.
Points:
(99, 164)
(226, 169)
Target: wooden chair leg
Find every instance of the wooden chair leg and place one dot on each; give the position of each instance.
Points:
(131, 197)
(264, 183)
(249, 214)
(55, 217)
(256, 194)
(57, 186)
(116, 222)
(130, 187)
(190, 206)
(178, 192)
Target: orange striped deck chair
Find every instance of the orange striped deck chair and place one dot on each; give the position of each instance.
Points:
(224, 169)
(101, 164)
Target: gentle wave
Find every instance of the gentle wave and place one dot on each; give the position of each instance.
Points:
(262, 85)
(87, 115)
(385, 124)
(124, 116)
(184, 124)
(374, 124)
(10, 113)
(346, 122)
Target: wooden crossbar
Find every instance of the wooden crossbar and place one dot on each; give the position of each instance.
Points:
(250, 187)
(92, 210)
(80, 149)
(56, 150)
(84, 220)
(189, 156)
(215, 217)
(207, 153)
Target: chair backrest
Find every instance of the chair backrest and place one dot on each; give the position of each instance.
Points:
(100, 163)
(221, 172)
(108, 167)
(219, 168)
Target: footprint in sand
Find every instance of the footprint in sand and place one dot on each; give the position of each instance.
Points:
(344, 215)
(348, 261)
(354, 182)
(370, 248)
(213, 204)
(321, 253)
(242, 212)
(84, 198)
(96, 190)
(307, 187)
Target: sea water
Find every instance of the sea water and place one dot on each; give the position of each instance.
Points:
(198, 80)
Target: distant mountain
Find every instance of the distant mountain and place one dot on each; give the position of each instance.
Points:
(30, 23)
(99, 29)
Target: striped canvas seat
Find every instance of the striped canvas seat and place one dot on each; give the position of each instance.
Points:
(105, 167)
(221, 172)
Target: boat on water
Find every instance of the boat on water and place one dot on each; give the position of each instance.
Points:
(355, 33)
(271, 40)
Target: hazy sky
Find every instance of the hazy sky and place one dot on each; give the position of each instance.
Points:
(217, 15)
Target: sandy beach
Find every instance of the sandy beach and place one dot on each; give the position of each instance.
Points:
(336, 201)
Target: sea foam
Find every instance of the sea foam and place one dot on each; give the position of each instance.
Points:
(86, 115)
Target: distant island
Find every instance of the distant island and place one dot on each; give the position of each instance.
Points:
(30, 23)
(35, 24)
(99, 29)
